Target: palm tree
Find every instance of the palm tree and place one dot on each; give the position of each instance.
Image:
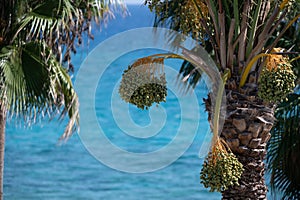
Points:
(236, 34)
(36, 41)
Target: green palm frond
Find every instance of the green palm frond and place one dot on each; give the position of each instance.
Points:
(284, 148)
(64, 15)
(56, 22)
(190, 74)
(46, 18)
(35, 84)
(60, 23)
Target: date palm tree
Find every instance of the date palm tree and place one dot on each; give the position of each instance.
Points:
(37, 38)
(236, 34)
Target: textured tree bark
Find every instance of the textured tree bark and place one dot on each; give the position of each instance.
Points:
(2, 146)
(246, 131)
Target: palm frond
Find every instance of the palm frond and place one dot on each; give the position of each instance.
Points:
(284, 147)
(35, 84)
(60, 23)
(189, 74)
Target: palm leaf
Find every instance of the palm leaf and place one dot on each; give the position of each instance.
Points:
(189, 74)
(61, 22)
(35, 84)
(284, 147)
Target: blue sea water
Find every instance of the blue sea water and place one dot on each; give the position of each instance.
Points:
(37, 168)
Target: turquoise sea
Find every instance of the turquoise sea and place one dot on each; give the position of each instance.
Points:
(36, 167)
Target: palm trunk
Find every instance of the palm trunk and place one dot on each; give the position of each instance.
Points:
(247, 130)
(2, 146)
